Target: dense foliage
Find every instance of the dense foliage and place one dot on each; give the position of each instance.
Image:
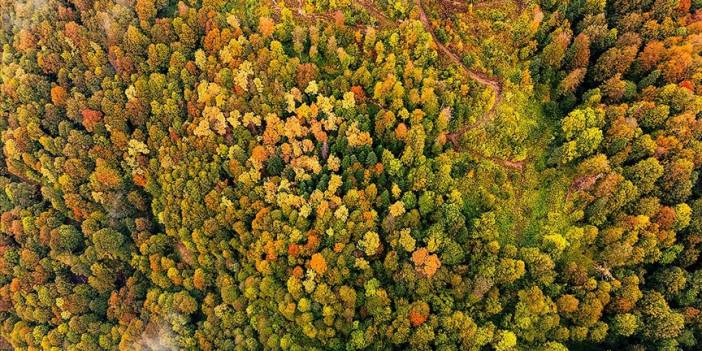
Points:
(347, 175)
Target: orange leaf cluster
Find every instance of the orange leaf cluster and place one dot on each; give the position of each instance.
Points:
(266, 26)
(58, 95)
(419, 313)
(106, 176)
(318, 263)
(425, 263)
(91, 118)
(401, 131)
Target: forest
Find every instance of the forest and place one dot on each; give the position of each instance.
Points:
(507, 175)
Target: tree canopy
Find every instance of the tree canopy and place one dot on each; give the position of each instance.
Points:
(347, 175)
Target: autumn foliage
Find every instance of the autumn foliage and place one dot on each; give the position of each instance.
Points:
(350, 175)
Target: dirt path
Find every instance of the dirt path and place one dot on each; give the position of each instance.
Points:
(298, 13)
(514, 165)
(460, 6)
(479, 77)
(384, 21)
(379, 15)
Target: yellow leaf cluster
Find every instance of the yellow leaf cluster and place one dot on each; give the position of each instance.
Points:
(357, 138)
(397, 209)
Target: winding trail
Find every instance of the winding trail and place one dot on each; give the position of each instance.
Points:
(493, 83)
(379, 15)
(459, 6)
(305, 17)
(479, 77)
